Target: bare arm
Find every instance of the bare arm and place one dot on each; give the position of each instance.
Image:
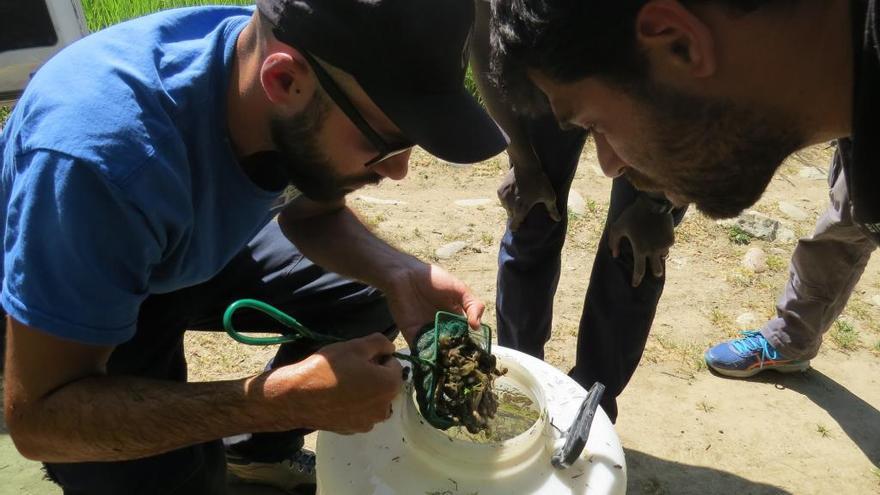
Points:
(60, 405)
(332, 236)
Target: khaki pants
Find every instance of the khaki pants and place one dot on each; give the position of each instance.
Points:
(824, 270)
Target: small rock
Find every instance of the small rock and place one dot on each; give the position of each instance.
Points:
(792, 211)
(812, 173)
(755, 260)
(876, 300)
(785, 235)
(380, 201)
(474, 202)
(576, 203)
(447, 251)
(746, 321)
(758, 225)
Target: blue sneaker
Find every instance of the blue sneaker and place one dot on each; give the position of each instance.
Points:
(750, 355)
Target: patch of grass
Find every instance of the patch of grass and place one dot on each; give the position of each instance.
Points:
(876, 347)
(592, 206)
(845, 336)
(738, 236)
(825, 432)
(861, 310)
(705, 407)
(742, 278)
(4, 114)
(102, 13)
(776, 263)
(723, 322)
(689, 354)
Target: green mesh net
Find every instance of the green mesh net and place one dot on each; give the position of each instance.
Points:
(450, 351)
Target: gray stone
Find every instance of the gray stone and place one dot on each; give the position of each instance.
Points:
(447, 251)
(792, 211)
(755, 260)
(380, 201)
(758, 225)
(474, 202)
(812, 173)
(785, 235)
(576, 203)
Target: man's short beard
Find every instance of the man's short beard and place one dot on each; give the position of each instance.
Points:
(715, 153)
(304, 164)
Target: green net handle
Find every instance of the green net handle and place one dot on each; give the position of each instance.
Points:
(300, 331)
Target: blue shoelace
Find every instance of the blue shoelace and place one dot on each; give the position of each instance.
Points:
(752, 342)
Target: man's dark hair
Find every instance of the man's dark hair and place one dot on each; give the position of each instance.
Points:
(568, 40)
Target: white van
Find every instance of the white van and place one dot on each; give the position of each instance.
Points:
(31, 31)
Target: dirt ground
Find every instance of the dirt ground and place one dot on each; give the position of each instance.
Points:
(685, 430)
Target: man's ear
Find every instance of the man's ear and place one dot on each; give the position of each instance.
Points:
(675, 39)
(287, 80)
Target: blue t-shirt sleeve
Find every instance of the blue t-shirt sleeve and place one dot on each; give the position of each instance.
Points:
(78, 252)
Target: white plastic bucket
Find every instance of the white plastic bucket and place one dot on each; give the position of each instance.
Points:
(404, 455)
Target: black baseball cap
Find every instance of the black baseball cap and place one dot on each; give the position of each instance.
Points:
(409, 56)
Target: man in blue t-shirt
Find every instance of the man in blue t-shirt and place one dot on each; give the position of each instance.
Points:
(142, 169)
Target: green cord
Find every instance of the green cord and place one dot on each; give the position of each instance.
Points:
(300, 332)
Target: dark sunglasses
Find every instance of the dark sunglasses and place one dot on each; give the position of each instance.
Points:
(385, 150)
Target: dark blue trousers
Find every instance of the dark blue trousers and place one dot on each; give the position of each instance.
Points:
(616, 317)
(270, 269)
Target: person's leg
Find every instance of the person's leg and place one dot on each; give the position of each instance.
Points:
(271, 269)
(824, 270)
(529, 259)
(616, 317)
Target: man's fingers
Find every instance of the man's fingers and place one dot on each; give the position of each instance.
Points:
(638, 270)
(473, 309)
(515, 220)
(553, 211)
(657, 265)
(614, 238)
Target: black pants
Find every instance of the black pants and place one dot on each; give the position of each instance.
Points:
(616, 317)
(270, 269)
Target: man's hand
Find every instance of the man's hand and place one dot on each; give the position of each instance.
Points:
(519, 195)
(417, 294)
(344, 388)
(650, 234)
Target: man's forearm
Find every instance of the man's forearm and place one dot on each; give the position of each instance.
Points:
(340, 243)
(119, 418)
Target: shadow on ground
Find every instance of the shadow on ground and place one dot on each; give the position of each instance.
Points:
(649, 475)
(856, 418)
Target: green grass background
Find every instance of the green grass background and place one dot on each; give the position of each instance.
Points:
(102, 13)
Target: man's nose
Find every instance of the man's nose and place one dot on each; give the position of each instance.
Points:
(612, 165)
(396, 167)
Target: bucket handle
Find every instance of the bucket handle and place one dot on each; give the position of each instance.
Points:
(579, 431)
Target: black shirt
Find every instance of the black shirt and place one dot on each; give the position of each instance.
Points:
(861, 152)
